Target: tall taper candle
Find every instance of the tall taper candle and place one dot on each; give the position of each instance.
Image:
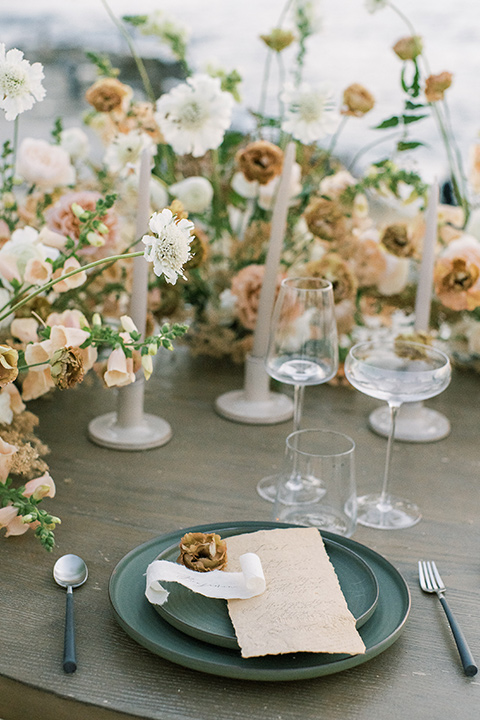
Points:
(138, 301)
(277, 234)
(425, 279)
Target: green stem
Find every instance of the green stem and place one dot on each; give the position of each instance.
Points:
(15, 142)
(138, 61)
(403, 17)
(368, 147)
(336, 135)
(51, 283)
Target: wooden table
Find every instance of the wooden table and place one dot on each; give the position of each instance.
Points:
(111, 502)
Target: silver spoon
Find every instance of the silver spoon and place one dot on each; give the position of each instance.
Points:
(70, 572)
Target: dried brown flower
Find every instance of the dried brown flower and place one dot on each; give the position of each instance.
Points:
(405, 349)
(8, 365)
(334, 268)
(27, 461)
(261, 161)
(66, 367)
(108, 94)
(326, 219)
(435, 86)
(408, 48)
(278, 39)
(357, 100)
(199, 248)
(398, 241)
(203, 552)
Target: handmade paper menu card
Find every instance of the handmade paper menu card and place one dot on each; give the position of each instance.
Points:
(303, 608)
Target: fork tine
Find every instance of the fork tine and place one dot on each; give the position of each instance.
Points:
(421, 575)
(437, 576)
(431, 577)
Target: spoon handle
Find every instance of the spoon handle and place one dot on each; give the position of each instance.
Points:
(69, 658)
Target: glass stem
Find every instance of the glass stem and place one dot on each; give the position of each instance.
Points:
(299, 392)
(394, 408)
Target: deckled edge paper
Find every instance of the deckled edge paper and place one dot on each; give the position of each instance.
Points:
(246, 583)
(303, 608)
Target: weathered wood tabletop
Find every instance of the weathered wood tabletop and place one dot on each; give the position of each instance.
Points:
(110, 502)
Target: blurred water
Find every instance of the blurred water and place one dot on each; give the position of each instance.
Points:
(353, 46)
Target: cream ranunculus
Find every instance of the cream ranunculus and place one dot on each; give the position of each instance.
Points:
(44, 165)
(195, 193)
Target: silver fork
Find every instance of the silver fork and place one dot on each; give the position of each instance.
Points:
(431, 582)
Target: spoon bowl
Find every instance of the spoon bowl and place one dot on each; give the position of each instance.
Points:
(70, 571)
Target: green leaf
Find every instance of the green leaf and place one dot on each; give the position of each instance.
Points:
(390, 122)
(409, 119)
(411, 145)
(409, 105)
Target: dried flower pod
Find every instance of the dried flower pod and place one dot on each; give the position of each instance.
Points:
(435, 86)
(108, 94)
(404, 348)
(408, 48)
(278, 39)
(66, 367)
(397, 240)
(203, 552)
(8, 365)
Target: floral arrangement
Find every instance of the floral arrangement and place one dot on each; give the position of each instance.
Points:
(67, 220)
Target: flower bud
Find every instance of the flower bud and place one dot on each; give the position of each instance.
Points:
(95, 239)
(278, 39)
(40, 492)
(77, 210)
(127, 324)
(8, 200)
(28, 518)
(96, 320)
(147, 366)
(408, 48)
(102, 228)
(435, 86)
(152, 349)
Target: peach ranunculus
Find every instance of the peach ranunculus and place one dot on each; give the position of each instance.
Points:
(456, 274)
(260, 161)
(40, 487)
(246, 287)
(435, 86)
(61, 218)
(7, 451)
(24, 329)
(119, 369)
(107, 94)
(43, 165)
(70, 282)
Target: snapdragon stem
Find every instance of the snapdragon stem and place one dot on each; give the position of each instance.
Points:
(51, 283)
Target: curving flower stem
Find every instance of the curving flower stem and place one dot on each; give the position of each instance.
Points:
(51, 283)
(454, 158)
(138, 60)
(368, 147)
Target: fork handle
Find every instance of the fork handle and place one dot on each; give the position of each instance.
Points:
(466, 656)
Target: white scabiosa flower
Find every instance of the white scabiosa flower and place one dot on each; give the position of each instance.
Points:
(124, 152)
(310, 113)
(168, 247)
(195, 193)
(20, 83)
(194, 115)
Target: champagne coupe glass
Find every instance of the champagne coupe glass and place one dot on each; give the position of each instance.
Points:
(397, 371)
(303, 346)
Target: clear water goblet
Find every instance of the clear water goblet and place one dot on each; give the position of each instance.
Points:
(396, 371)
(303, 346)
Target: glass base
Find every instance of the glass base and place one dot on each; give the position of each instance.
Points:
(321, 518)
(267, 487)
(390, 514)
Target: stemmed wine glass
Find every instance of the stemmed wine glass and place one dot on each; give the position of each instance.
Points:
(397, 371)
(303, 347)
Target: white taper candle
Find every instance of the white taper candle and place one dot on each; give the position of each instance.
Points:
(425, 279)
(277, 234)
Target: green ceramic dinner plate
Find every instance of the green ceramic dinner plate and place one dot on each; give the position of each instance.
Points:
(141, 622)
(208, 619)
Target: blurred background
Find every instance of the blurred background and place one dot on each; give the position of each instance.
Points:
(352, 45)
